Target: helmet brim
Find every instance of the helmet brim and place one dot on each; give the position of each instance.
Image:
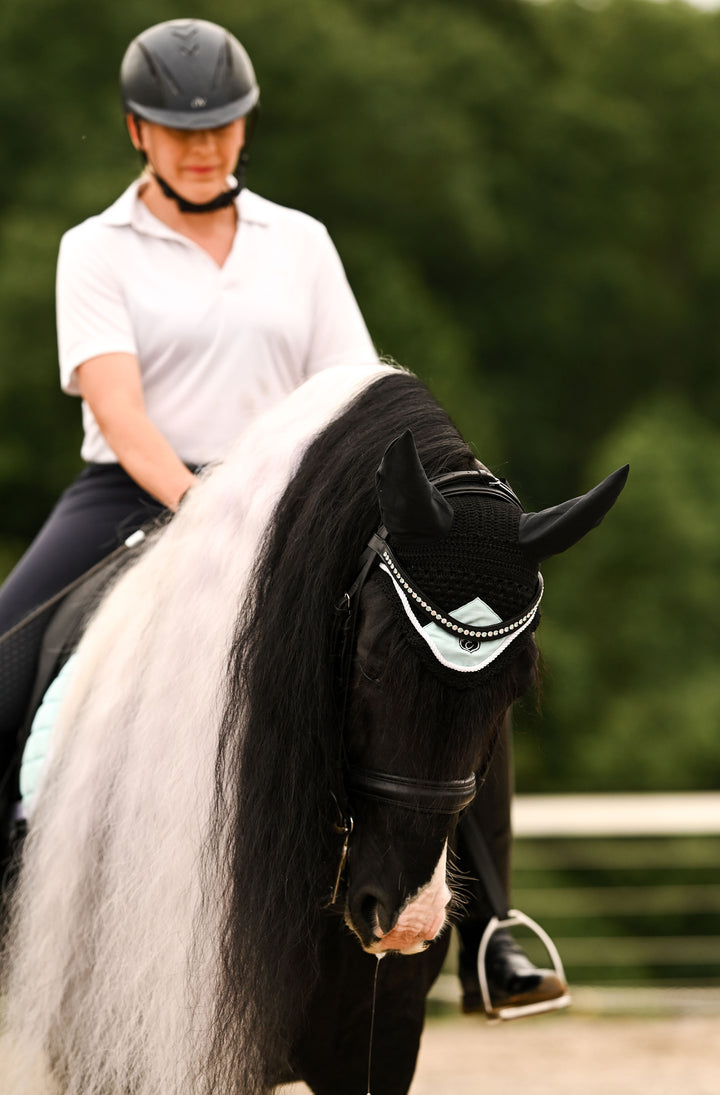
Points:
(202, 118)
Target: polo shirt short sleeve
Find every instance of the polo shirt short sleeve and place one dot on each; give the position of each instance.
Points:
(92, 316)
(216, 345)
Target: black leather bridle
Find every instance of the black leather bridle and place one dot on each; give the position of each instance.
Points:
(427, 796)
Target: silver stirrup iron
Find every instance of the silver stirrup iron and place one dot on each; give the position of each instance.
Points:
(496, 1014)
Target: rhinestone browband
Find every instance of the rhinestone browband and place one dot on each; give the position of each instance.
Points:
(445, 619)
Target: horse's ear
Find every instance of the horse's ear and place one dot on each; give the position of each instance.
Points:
(553, 530)
(409, 504)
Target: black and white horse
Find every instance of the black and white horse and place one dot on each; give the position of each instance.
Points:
(174, 930)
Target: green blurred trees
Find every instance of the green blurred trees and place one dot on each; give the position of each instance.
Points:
(631, 634)
(527, 200)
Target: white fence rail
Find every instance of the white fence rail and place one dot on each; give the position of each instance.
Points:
(610, 815)
(628, 885)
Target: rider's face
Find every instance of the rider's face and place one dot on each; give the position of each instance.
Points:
(195, 162)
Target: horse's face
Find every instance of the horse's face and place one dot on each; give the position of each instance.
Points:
(405, 722)
(444, 646)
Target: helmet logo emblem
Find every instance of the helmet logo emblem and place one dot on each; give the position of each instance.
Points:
(198, 101)
(189, 45)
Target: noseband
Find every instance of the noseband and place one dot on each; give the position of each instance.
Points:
(425, 796)
(428, 796)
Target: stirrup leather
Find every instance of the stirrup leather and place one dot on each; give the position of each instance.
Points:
(519, 1011)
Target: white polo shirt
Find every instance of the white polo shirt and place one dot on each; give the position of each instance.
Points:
(216, 345)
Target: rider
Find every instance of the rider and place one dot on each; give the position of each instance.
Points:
(183, 310)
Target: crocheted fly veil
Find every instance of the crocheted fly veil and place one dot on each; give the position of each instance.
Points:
(461, 586)
(464, 577)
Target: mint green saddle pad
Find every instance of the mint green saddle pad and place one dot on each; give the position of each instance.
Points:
(39, 744)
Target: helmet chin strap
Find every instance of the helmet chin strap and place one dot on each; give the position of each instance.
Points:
(222, 201)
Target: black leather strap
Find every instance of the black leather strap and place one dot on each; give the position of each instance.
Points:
(428, 796)
(475, 481)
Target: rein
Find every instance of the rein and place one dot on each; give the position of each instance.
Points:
(427, 796)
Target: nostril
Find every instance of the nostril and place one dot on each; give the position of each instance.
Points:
(371, 909)
(368, 912)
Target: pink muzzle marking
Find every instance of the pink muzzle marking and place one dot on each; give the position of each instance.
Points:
(423, 917)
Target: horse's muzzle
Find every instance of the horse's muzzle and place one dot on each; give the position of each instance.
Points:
(405, 930)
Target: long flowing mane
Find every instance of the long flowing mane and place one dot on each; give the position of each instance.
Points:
(164, 927)
(284, 691)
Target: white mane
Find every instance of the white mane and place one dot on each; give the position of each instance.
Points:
(112, 956)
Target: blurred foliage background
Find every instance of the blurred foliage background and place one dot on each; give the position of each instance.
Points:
(526, 197)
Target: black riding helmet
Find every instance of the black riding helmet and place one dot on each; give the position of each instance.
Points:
(190, 74)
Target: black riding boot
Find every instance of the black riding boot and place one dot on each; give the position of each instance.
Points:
(513, 980)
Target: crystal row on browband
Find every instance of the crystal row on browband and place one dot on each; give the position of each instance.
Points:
(446, 620)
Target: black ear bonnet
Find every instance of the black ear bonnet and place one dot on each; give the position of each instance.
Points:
(462, 558)
(478, 557)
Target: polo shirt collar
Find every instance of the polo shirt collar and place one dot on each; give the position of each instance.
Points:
(129, 211)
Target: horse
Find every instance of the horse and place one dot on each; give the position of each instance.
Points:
(274, 720)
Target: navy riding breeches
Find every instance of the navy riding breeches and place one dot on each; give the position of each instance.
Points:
(91, 518)
(96, 513)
